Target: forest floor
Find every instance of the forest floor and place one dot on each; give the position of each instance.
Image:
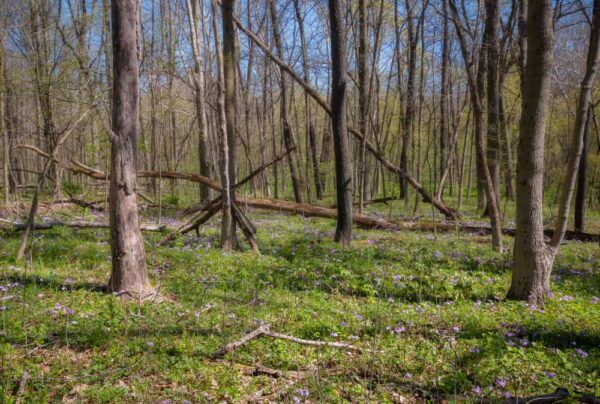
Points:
(427, 311)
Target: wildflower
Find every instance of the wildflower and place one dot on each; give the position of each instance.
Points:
(370, 242)
(354, 337)
(581, 353)
(550, 375)
(474, 350)
(358, 317)
(524, 342)
(303, 392)
(419, 309)
(456, 328)
(477, 390)
(2, 308)
(40, 295)
(408, 375)
(150, 344)
(566, 298)
(501, 383)
(595, 300)
(296, 400)
(197, 314)
(68, 281)
(334, 334)
(399, 330)
(436, 255)
(506, 394)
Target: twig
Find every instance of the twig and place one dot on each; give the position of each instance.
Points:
(232, 346)
(317, 343)
(22, 387)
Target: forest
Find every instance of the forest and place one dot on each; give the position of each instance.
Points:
(299, 201)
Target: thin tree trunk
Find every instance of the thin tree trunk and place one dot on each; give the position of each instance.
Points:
(579, 216)
(194, 12)
(343, 163)
(230, 88)
(363, 100)
(288, 134)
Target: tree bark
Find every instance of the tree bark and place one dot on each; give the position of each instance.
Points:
(363, 100)
(579, 214)
(194, 11)
(490, 42)
(127, 245)
(532, 258)
(227, 220)
(409, 110)
(343, 164)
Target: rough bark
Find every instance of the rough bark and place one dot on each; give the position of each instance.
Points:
(343, 163)
(409, 111)
(532, 258)
(490, 42)
(127, 245)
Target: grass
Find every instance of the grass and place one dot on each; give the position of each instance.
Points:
(428, 309)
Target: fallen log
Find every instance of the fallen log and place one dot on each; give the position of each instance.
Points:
(8, 225)
(314, 211)
(360, 220)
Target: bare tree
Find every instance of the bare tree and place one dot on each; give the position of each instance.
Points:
(127, 245)
(343, 164)
(194, 12)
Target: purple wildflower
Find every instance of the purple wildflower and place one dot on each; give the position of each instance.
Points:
(595, 300)
(477, 390)
(474, 350)
(581, 353)
(565, 298)
(550, 375)
(303, 392)
(501, 383)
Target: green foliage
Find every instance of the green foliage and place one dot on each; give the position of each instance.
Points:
(430, 309)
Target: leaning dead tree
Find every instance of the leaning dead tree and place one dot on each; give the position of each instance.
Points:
(371, 148)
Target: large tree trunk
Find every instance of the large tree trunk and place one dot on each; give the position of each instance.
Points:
(127, 245)
(288, 134)
(343, 163)
(194, 11)
(532, 258)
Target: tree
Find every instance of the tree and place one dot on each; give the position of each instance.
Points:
(533, 258)
(228, 239)
(478, 115)
(288, 134)
(128, 274)
(193, 9)
(343, 164)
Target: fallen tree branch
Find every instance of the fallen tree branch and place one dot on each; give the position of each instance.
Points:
(232, 346)
(315, 343)
(78, 225)
(264, 330)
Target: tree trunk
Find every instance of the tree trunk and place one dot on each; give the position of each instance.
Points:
(127, 245)
(532, 258)
(194, 11)
(343, 163)
(409, 110)
(363, 100)
(579, 222)
(444, 113)
(490, 42)
(288, 134)
(229, 77)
